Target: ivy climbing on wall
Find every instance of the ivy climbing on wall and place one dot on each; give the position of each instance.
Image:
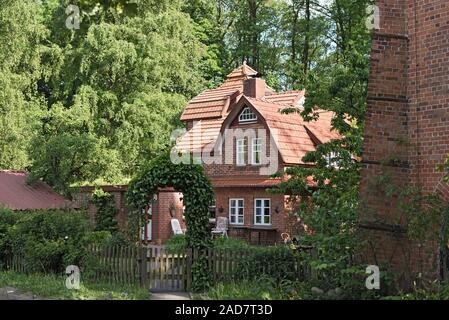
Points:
(198, 194)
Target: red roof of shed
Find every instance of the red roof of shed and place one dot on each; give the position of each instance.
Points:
(17, 194)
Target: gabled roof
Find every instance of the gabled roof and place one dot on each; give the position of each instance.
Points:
(294, 136)
(215, 107)
(203, 132)
(17, 194)
(290, 98)
(214, 103)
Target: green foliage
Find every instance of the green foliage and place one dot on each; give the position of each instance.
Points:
(197, 197)
(106, 211)
(264, 288)
(48, 240)
(437, 291)
(444, 167)
(229, 244)
(337, 82)
(278, 263)
(176, 244)
(93, 104)
(188, 179)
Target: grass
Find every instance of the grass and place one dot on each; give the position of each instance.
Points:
(264, 289)
(53, 286)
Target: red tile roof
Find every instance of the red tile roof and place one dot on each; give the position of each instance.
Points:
(238, 181)
(249, 181)
(214, 103)
(16, 194)
(203, 132)
(295, 137)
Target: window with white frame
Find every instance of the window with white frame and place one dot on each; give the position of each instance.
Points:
(236, 209)
(241, 152)
(247, 115)
(332, 159)
(262, 213)
(256, 154)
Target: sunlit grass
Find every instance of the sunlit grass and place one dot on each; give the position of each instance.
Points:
(52, 286)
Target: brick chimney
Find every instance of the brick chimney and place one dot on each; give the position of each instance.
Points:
(254, 88)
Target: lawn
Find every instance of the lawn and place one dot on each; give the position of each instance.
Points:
(52, 286)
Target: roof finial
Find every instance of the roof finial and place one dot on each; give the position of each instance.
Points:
(244, 62)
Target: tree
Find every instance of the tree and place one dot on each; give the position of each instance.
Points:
(337, 83)
(21, 32)
(114, 89)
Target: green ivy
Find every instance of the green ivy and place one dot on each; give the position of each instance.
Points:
(197, 190)
(106, 211)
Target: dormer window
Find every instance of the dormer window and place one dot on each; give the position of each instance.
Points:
(247, 115)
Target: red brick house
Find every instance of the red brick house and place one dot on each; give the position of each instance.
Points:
(241, 138)
(238, 133)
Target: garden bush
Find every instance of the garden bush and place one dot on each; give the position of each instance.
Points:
(230, 244)
(264, 288)
(48, 240)
(8, 218)
(277, 263)
(176, 244)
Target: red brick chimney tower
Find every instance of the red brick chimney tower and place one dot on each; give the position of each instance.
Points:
(407, 129)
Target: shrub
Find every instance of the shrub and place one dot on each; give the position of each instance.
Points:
(265, 288)
(49, 240)
(277, 263)
(176, 244)
(230, 244)
(8, 219)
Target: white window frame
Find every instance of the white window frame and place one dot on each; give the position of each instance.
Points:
(331, 160)
(247, 115)
(236, 214)
(240, 151)
(256, 147)
(263, 215)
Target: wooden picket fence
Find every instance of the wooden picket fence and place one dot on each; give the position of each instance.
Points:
(16, 263)
(159, 270)
(156, 268)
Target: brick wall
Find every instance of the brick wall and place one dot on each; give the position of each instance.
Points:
(228, 165)
(407, 127)
(162, 230)
(161, 218)
(279, 221)
(83, 199)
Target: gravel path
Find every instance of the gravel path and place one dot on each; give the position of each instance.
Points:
(10, 293)
(170, 296)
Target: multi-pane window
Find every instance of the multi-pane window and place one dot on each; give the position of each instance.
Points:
(247, 115)
(241, 152)
(262, 214)
(256, 157)
(236, 209)
(332, 160)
